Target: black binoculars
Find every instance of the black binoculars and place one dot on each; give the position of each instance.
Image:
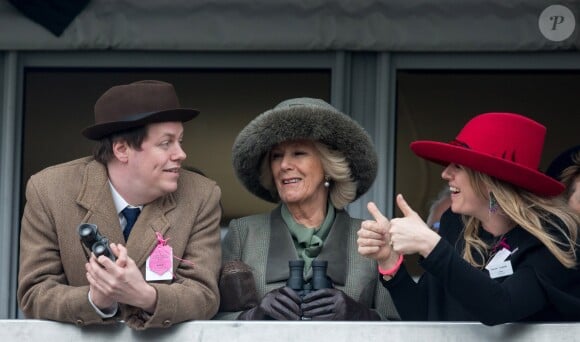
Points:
(94, 241)
(319, 279)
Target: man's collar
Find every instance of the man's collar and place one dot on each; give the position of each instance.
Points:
(119, 201)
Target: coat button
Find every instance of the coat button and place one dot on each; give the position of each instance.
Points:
(166, 323)
(80, 322)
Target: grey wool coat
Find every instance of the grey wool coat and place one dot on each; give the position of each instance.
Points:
(264, 242)
(52, 281)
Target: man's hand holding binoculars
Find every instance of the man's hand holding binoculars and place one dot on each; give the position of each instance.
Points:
(118, 281)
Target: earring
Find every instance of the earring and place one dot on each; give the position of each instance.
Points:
(326, 181)
(493, 206)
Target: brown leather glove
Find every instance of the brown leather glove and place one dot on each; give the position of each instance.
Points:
(237, 287)
(335, 305)
(279, 304)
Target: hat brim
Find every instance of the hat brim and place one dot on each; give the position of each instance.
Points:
(505, 170)
(101, 130)
(333, 128)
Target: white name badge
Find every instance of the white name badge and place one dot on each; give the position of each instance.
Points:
(498, 267)
(503, 269)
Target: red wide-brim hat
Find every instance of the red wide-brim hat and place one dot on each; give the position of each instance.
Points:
(506, 146)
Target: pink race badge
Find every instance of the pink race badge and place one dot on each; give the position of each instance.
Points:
(160, 259)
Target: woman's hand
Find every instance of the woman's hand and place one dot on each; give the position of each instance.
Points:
(279, 304)
(410, 234)
(335, 305)
(373, 236)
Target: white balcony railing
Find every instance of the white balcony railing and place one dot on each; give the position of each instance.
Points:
(232, 331)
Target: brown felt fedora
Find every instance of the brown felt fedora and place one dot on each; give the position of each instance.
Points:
(134, 105)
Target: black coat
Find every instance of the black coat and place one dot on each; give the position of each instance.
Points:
(540, 289)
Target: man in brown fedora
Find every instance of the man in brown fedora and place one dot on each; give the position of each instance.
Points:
(161, 262)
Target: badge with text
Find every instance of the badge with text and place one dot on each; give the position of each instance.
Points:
(159, 264)
(498, 266)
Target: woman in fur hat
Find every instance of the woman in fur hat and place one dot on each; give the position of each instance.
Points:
(313, 160)
(517, 256)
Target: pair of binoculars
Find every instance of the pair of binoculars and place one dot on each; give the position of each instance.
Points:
(319, 278)
(94, 241)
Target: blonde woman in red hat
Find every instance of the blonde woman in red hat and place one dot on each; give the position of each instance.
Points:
(516, 258)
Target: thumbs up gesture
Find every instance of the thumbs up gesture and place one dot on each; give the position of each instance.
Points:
(373, 236)
(410, 234)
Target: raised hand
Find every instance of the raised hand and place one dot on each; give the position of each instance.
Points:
(410, 234)
(373, 236)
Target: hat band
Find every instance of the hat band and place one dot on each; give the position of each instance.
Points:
(504, 155)
(136, 117)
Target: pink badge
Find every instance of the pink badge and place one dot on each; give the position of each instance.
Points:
(161, 257)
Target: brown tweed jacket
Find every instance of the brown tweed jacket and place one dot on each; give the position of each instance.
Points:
(52, 282)
(264, 243)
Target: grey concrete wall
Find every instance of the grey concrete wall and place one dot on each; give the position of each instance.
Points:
(231, 331)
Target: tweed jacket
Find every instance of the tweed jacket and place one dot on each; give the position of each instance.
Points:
(264, 243)
(52, 281)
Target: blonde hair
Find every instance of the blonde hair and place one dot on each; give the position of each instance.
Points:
(342, 190)
(530, 212)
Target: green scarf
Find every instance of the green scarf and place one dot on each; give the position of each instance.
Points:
(308, 241)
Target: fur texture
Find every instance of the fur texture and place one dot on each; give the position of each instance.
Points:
(303, 118)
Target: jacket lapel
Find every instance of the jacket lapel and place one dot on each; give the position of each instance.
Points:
(152, 220)
(335, 249)
(95, 196)
(281, 249)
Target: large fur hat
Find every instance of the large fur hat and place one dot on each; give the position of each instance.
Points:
(303, 118)
(507, 146)
(134, 105)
